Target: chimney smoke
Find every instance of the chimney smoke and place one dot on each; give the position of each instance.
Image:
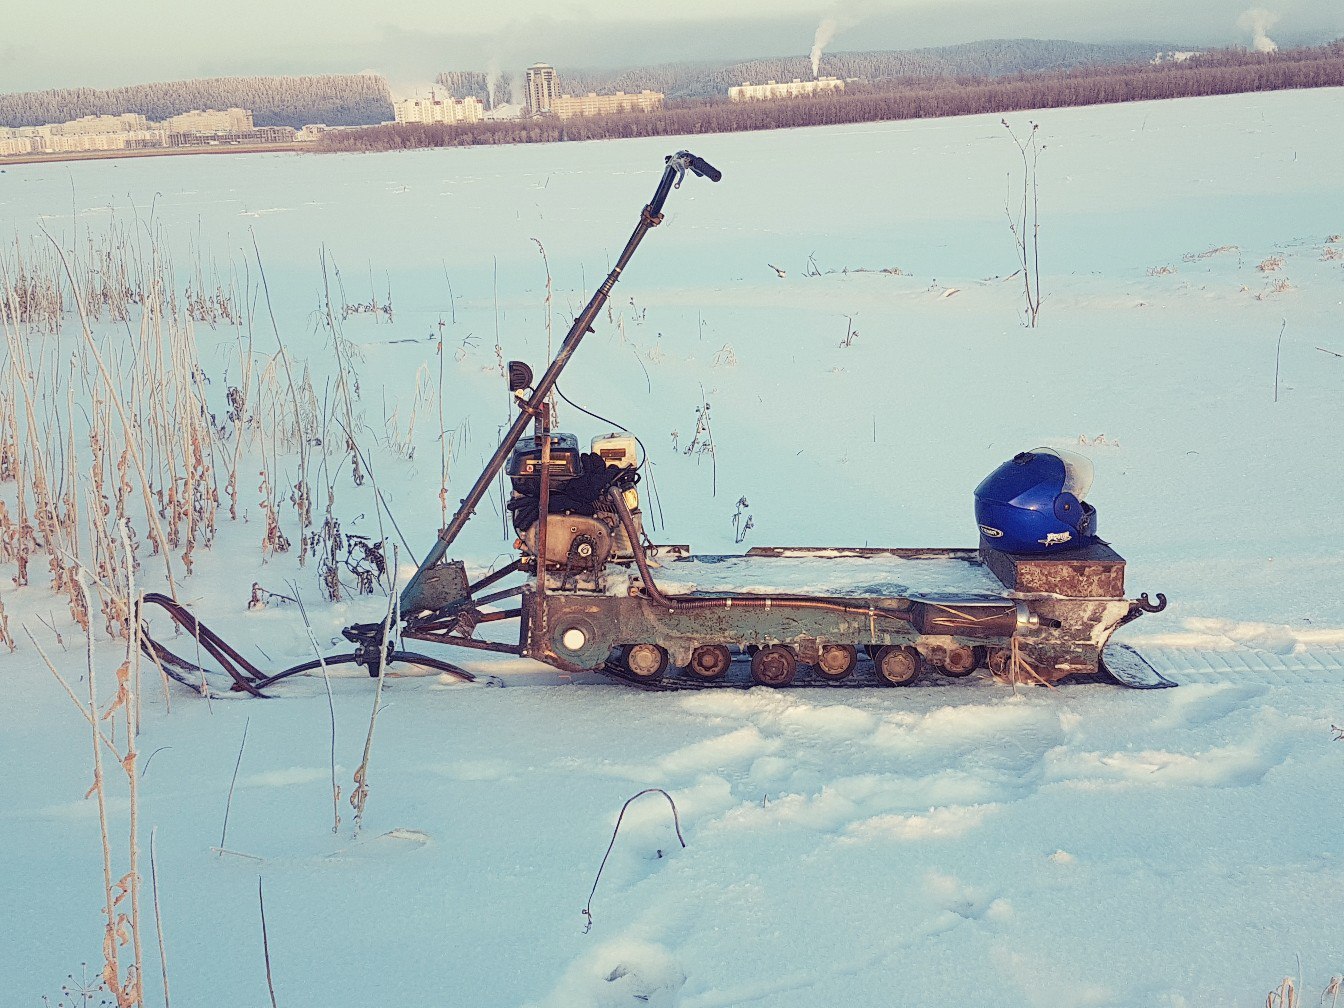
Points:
(1258, 21)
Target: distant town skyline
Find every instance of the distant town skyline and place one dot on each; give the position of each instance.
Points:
(86, 44)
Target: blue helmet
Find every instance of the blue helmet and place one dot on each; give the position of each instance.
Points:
(1033, 503)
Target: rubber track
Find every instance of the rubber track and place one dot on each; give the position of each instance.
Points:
(739, 677)
(1184, 666)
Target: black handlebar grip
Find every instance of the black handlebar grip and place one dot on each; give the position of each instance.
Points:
(704, 169)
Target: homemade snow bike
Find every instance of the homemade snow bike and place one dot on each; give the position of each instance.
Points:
(1038, 600)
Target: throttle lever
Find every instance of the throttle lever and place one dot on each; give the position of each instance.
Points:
(678, 163)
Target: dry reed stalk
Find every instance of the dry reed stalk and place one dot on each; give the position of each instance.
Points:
(331, 708)
(265, 943)
(228, 801)
(239, 398)
(359, 796)
(128, 432)
(45, 505)
(302, 489)
(158, 917)
(9, 440)
(127, 991)
(443, 435)
(6, 638)
(121, 928)
(1284, 997)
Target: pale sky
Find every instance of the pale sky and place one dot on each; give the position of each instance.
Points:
(96, 43)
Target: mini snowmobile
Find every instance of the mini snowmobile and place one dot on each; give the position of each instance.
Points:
(1037, 601)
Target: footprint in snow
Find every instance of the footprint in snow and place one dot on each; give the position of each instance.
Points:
(1202, 705)
(624, 973)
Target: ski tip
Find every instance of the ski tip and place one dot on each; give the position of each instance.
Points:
(1126, 667)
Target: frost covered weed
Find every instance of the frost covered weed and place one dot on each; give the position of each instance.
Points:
(1270, 265)
(702, 443)
(1191, 257)
(1025, 221)
(1284, 997)
(742, 521)
(85, 992)
(1279, 286)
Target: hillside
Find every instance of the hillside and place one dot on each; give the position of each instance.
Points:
(990, 59)
(847, 301)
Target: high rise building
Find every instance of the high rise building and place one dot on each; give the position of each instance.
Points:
(541, 88)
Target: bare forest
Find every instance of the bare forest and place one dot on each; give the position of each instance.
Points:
(333, 100)
(1224, 72)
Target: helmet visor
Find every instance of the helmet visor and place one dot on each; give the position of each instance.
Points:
(1078, 471)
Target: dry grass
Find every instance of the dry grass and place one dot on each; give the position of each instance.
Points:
(118, 431)
(1209, 253)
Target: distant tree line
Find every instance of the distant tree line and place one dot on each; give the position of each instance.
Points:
(711, 79)
(1223, 72)
(474, 84)
(333, 99)
(993, 58)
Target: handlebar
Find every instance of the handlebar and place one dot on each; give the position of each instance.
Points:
(677, 166)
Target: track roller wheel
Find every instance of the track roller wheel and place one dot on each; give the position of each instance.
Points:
(774, 665)
(710, 661)
(837, 660)
(646, 661)
(962, 661)
(899, 665)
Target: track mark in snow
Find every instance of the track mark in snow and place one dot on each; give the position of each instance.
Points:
(1304, 666)
(823, 979)
(620, 974)
(967, 902)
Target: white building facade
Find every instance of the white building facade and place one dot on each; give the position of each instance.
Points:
(793, 89)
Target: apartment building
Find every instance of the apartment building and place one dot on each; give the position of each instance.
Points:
(231, 120)
(568, 106)
(793, 89)
(198, 128)
(434, 109)
(541, 88)
(128, 123)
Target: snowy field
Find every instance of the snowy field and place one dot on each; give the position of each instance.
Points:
(946, 844)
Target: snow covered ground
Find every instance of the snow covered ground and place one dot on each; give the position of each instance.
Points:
(950, 843)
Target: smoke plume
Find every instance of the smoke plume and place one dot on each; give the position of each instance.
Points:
(491, 79)
(825, 33)
(845, 14)
(1258, 21)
